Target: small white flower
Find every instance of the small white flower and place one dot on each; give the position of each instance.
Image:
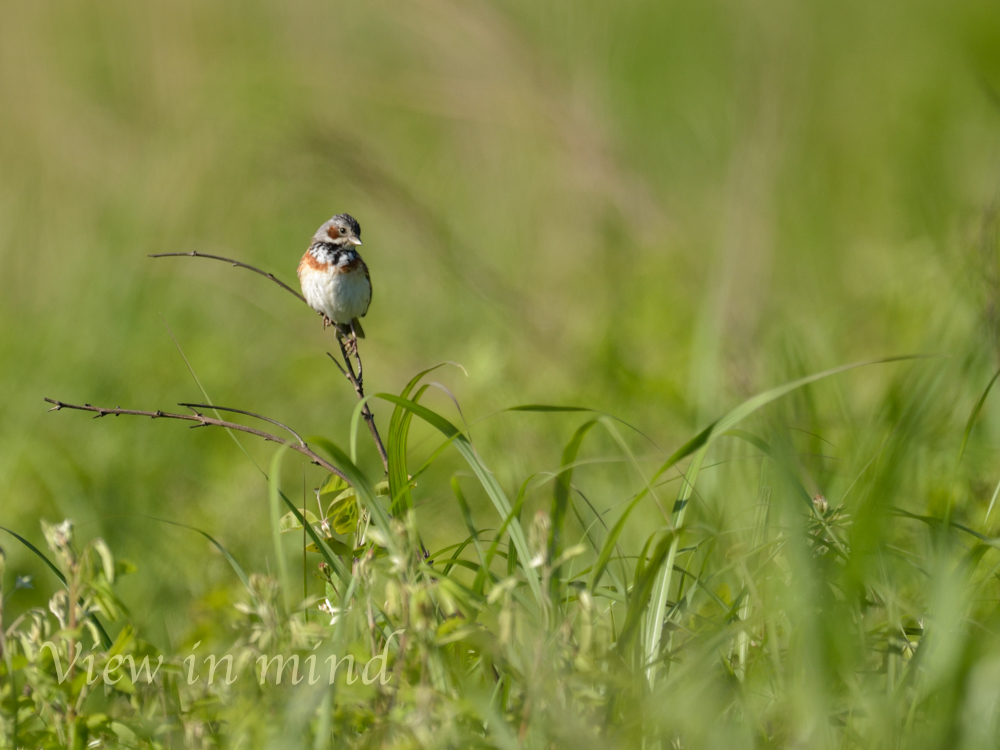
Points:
(334, 612)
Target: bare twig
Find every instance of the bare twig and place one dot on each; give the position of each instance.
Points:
(240, 264)
(359, 388)
(203, 421)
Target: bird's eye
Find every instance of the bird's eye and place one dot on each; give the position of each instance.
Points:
(343, 231)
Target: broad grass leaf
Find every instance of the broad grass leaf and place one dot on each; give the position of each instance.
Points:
(399, 429)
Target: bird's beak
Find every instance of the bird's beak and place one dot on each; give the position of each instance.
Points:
(354, 241)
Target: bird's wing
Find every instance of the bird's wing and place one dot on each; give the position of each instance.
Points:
(370, 289)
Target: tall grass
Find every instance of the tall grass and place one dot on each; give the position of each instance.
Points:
(752, 612)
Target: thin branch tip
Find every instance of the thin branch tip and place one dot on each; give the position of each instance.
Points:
(235, 264)
(339, 366)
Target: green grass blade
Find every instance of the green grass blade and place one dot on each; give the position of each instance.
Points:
(515, 513)
(237, 568)
(463, 505)
(458, 549)
(993, 501)
(279, 553)
(399, 477)
(560, 499)
(972, 417)
(332, 559)
(643, 589)
(549, 409)
(399, 428)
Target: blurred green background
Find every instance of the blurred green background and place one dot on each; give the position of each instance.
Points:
(651, 208)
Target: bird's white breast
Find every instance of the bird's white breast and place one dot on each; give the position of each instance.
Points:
(340, 296)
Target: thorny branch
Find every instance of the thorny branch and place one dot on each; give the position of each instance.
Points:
(356, 380)
(204, 421)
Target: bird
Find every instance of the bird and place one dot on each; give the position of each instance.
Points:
(335, 280)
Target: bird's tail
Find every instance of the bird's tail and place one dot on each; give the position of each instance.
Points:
(345, 328)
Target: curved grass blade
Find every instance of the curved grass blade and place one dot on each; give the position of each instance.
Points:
(237, 568)
(932, 521)
(547, 409)
(105, 638)
(459, 548)
(560, 500)
(972, 417)
(399, 428)
(402, 499)
(463, 504)
(463, 544)
(993, 501)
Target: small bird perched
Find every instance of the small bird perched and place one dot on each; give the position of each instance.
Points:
(334, 279)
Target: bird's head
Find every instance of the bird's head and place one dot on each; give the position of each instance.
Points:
(342, 230)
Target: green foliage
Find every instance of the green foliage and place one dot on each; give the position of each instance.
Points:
(863, 612)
